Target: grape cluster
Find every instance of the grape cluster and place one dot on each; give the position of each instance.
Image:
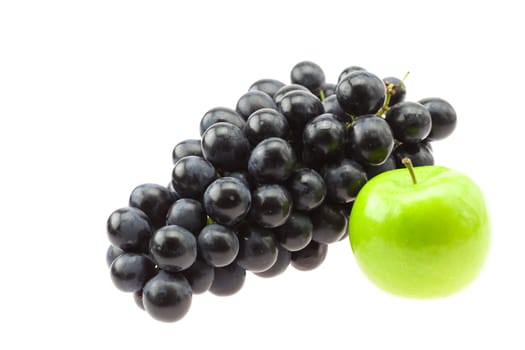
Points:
(269, 184)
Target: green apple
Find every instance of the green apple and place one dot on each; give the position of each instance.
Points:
(422, 239)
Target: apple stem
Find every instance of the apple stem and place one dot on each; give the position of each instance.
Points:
(408, 163)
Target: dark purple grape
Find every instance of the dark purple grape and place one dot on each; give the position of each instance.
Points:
(129, 229)
(309, 75)
(112, 253)
(272, 161)
(410, 122)
(271, 205)
(328, 90)
(370, 139)
(154, 200)
(443, 117)
(199, 276)
(310, 257)
(268, 86)
(419, 153)
(325, 137)
(257, 248)
(343, 180)
(242, 176)
(349, 70)
(186, 148)
(138, 298)
(218, 115)
(227, 201)
(283, 261)
(228, 280)
(226, 147)
(307, 188)
(299, 107)
(329, 224)
(331, 105)
(296, 233)
(191, 176)
(218, 245)
(174, 195)
(174, 248)
(188, 213)
(167, 297)
(129, 272)
(265, 123)
(373, 170)
(398, 92)
(278, 96)
(361, 93)
(253, 101)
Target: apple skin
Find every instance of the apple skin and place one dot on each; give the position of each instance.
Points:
(424, 240)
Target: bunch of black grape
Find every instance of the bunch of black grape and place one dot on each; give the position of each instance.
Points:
(268, 185)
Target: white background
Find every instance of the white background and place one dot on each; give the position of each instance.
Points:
(94, 95)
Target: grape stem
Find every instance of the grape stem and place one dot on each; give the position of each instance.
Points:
(321, 94)
(385, 107)
(408, 163)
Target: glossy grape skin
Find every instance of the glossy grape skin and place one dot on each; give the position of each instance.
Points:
(310, 257)
(200, 276)
(361, 93)
(268, 86)
(174, 248)
(419, 153)
(226, 147)
(370, 139)
(138, 298)
(271, 206)
(265, 123)
(129, 272)
(299, 107)
(167, 297)
(218, 245)
(186, 148)
(307, 188)
(278, 96)
(257, 248)
(227, 201)
(129, 229)
(329, 224)
(309, 75)
(328, 90)
(343, 180)
(253, 101)
(373, 170)
(228, 280)
(112, 253)
(188, 213)
(349, 70)
(296, 233)
(174, 195)
(410, 122)
(272, 161)
(325, 137)
(398, 92)
(191, 176)
(443, 116)
(242, 176)
(331, 105)
(284, 258)
(154, 200)
(218, 115)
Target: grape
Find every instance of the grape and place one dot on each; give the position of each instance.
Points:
(167, 297)
(299, 107)
(361, 93)
(174, 248)
(242, 176)
(349, 70)
(220, 114)
(307, 188)
(278, 96)
(296, 233)
(199, 276)
(227, 201)
(188, 213)
(373, 170)
(252, 101)
(218, 245)
(370, 139)
(154, 200)
(112, 253)
(265, 123)
(186, 148)
(228, 280)
(325, 137)
(419, 153)
(271, 206)
(398, 92)
(191, 176)
(344, 179)
(309, 75)
(283, 260)
(138, 298)
(174, 195)
(269, 86)
(257, 248)
(329, 224)
(443, 117)
(309, 257)
(331, 106)
(129, 271)
(272, 161)
(129, 229)
(410, 122)
(328, 90)
(225, 146)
